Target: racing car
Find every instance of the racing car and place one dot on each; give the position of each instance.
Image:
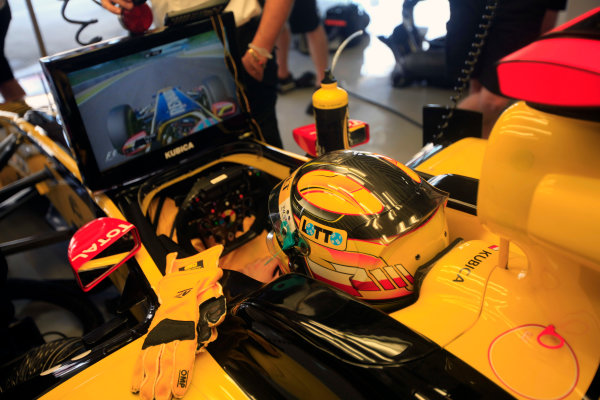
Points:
(471, 271)
(174, 115)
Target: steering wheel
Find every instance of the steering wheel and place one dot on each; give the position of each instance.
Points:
(227, 207)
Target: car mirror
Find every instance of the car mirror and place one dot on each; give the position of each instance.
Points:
(99, 247)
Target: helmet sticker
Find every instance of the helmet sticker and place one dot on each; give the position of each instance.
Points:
(362, 283)
(385, 282)
(398, 278)
(324, 235)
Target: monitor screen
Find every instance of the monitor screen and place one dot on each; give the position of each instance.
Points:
(136, 105)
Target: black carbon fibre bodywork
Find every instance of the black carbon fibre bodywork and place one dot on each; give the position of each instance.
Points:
(299, 338)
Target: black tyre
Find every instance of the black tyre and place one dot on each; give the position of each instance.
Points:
(215, 89)
(61, 293)
(121, 124)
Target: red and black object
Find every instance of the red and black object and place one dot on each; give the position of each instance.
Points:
(306, 136)
(341, 21)
(571, 52)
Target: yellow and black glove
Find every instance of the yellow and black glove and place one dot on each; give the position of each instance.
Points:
(191, 306)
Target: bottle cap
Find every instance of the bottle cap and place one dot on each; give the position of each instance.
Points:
(328, 78)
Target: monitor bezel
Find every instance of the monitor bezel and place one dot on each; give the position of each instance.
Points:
(56, 68)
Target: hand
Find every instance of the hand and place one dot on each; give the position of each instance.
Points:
(263, 269)
(116, 6)
(254, 64)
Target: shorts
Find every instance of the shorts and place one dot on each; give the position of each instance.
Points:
(6, 73)
(515, 25)
(304, 16)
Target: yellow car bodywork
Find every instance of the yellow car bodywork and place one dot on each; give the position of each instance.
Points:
(516, 298)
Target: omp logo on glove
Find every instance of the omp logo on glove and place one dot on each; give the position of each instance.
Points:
(183, 378)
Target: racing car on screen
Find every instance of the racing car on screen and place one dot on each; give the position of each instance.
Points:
(173, 115)
(471, 271)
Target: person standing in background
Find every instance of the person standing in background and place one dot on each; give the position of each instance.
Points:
(10, 89)
(516, 23)
(304, 19)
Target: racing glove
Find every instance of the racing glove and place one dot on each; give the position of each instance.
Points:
(191, 306)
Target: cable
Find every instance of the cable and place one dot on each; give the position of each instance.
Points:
(220, 30)
(342, 46)
(336, 56)
(385, 107)
(84, 24)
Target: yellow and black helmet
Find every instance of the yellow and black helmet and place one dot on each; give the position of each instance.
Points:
(362, 222)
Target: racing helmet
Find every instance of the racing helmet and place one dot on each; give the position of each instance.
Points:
(359, 221)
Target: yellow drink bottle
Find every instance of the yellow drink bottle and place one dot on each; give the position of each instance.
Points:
(330, 103)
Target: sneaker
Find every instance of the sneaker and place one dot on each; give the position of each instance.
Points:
(306, 80)
(286, 84)
(310, 110)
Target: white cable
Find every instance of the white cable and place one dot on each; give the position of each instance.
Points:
(342, 46)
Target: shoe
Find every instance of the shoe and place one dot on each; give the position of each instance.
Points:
(306, 80)
(310, 110)
(286, 84)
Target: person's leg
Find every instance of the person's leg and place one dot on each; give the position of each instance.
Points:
(304, 20)
(465, 17)
(10, 89)
(472, 102)
(261, 95)
(492, 105)
(283, 49)
(319, 52)
(285, 80)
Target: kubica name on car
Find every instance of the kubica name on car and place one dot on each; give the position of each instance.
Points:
(178, 150)
(174, 104)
